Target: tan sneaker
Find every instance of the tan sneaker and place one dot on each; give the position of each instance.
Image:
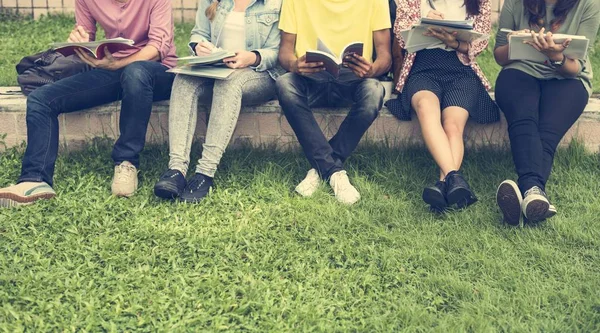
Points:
(125, 180)
(344, 191)
(309, 184)
(25, 193)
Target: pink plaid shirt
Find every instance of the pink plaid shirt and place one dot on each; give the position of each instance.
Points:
(146, 22)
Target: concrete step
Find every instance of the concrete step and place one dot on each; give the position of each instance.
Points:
(262, 125)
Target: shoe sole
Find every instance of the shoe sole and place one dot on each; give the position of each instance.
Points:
(460, 197)
(507, 198)
(536, 210)
(9, 200)
(166, 191)
(434, 199)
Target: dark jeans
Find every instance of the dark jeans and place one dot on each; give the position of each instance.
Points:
(138, 85)
(298, 94)
(539, 113)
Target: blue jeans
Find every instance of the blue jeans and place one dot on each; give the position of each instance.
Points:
(298, 94)
(137, 85)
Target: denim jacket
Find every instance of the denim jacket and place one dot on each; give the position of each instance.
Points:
(262, 30)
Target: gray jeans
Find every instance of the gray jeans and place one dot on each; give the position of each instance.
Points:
(244, 86)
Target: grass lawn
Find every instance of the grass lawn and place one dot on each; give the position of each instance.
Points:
(256, 257)
(56, 28)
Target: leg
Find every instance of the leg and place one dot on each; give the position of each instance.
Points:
(244, 86)
(183, 114)
(367, 96)
(518, 96)
(427, 107)
(142, 83)
(454, 120)
(75, 93)
(557, 115)
(296, 94)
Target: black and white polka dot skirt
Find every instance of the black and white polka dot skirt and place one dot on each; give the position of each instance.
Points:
(455, 84)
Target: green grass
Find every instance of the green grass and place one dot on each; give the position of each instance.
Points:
(256, 257)
(48, 29)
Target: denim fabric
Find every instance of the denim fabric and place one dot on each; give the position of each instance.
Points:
(298, 94)
(226, 97)
(539, 113)
(262, 31)
(137, 85)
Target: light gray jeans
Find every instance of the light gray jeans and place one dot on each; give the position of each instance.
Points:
(243, 87)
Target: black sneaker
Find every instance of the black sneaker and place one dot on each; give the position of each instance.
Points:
(458, 191)
(509, 199)
(535, 205)
(170, 185)
(435, 196)
(197, 188)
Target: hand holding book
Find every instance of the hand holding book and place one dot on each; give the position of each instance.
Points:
(359, 65)
(544, 43)
(302, 67)
(78, 35)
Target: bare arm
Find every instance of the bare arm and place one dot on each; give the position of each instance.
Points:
(365, 69)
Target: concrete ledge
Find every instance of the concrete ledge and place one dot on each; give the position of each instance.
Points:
(262, 125)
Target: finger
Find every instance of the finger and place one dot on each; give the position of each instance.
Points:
(357, 70)
(549, 40)
(84, 34)
(230, 59)
(566, 43)
(84, 58)
(108, 55)
(362, 62)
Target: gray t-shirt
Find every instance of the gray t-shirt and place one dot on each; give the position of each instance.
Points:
(582, 20)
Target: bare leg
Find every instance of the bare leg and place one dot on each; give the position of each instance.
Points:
(454, 120)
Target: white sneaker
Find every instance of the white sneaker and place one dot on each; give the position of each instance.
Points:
(125, 180)
(25, 193)
(344, 191)
(309, 184)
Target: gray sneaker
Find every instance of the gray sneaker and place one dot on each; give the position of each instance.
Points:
(535, 205)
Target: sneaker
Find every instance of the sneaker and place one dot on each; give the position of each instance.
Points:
(170, 185)
(509, 199)
(435, 196)
(309, 184)
(197, 188)
(343, 190)
(458, 191)
(25, 193)
(125, 180)
(551, 211)
(535, 205)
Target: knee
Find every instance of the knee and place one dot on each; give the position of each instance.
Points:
(423, 105)
(287, 87)
(453, 129)
(136, 77)
(371, 95)
(38, 102)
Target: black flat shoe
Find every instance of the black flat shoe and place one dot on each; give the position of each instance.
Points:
(458, 191)
(197, 189)
(435, 196)
(170, 185)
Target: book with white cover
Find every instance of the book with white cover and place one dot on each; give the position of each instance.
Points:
(212, 72)
(518, 50)
(216, 57)
(415, 40)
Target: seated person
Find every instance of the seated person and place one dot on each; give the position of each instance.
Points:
(444, 86)
(137, 76)
(541, 101)
(336, 23)
(220, 24)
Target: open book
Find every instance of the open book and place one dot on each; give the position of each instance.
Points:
(212, 72)
(416, 41)
(518, 50)
(331, 62)
(216, 57)
(96, 48)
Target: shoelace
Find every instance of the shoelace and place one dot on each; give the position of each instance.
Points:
(195, 184)
(535, 190)
(125, 172)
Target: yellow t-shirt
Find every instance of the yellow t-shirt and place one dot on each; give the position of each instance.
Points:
(336, 22)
